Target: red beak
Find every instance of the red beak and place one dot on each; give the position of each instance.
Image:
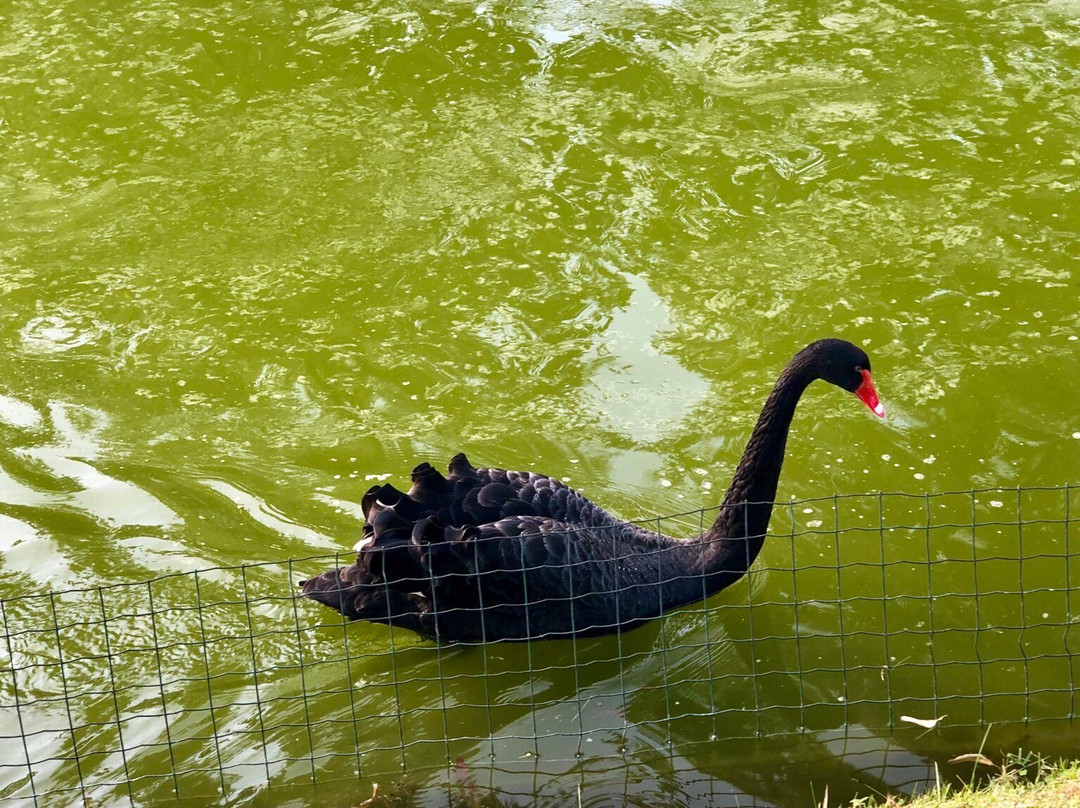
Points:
(868, 395)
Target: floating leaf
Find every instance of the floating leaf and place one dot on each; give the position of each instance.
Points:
(974, 757)
(927, 723)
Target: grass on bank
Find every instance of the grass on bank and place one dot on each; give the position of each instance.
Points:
(1021, 782)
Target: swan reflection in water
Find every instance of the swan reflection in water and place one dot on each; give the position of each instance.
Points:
(487, 554)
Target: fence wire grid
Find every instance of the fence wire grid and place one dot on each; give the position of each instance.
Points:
(862, 612)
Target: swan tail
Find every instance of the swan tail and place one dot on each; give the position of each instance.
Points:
(353, 593)
(341, 589)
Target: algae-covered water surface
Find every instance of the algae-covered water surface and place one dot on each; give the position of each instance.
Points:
(256, 257)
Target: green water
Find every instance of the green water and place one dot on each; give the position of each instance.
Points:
(254, 256)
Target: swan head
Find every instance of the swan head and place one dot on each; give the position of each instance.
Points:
(845, 365)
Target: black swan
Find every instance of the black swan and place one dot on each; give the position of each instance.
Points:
(488, 554)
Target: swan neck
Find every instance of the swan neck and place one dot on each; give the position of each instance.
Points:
(758, 473)
(735, 539)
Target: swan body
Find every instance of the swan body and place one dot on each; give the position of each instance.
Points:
(485, 554)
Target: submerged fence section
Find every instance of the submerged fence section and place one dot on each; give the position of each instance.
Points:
(866, 616)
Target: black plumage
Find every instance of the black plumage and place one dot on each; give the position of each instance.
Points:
(488, 554)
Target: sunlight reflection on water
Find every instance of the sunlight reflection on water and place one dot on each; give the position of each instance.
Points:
(638, 390)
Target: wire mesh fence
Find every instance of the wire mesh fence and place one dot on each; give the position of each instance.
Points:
(862, 612)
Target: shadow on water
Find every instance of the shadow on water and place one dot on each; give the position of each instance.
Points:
(582, 728)
(664, 714)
